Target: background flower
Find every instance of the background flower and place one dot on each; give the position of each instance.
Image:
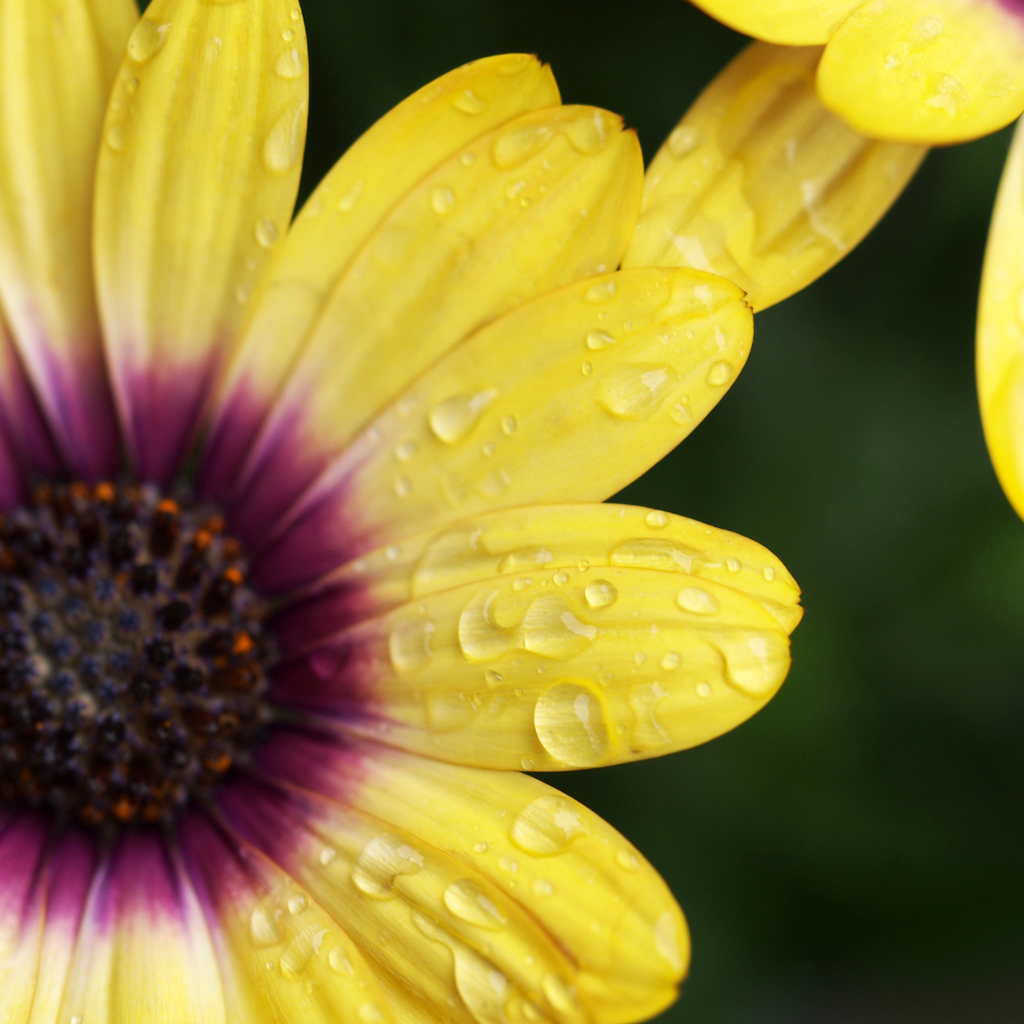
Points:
(852, 854)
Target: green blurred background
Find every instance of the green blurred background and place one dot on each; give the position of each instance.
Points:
(854, 853)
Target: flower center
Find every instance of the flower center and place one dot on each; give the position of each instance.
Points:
(132, 654)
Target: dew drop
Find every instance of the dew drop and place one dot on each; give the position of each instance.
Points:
(542, 887)
(508, 864)
(266, 233)
(381, 862)
(299, 952)
(469, 103)
(755, 662)
(683, 141)
(627, 860)
(601, 292)
(298, 903)
(509, 425)
(589, 134)
(340, 963)
(369, 1013)
(263, 929)
(455, 417)
(561, 997)
(946, 93)
(697, 600)
(657, 520)
(480, 847)
(587, 369)
(671, 660)
(597, 340)
(769, 573)
(348, 201)
(403, 487)
(720, 373)
(409, 644)
(468, 902)
(146, 39)
(283, 144)
(703, 690)
(551, 628)
(546, 826)
(571, 725)
(328, 855)
(633, 391)
(442, 200)
(467, 158)
(117, 136)
(527, 764)
(517, 144)
(733, 564)
(600, 593)
(289, 65)
(405, 451)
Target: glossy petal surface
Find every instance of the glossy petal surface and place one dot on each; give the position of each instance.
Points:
(927, 71)
(516, 541)
(761, 184)
(567, 398)
(1000, 353)
(196, 180)
(793, 22)
(58, 59)
(486, 896)
(376, 172)
(547, 199)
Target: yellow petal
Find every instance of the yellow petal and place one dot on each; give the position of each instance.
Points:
(281, 956)
(389, 160)
(568, 398)
(519, 540)
(58, 59)
(761, 184)
(1000, 353)
(489, 895)
(549, 198)
(927, 71)
(143, 951)
(552, 668)
(196, 179)
(794, 22)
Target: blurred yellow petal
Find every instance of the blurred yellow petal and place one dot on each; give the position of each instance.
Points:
(549, 198)
(519, 540)
(568, 398)
(500, 898)
(196, 180)
(382, 166)
(761, 184)
(1000, 353)
(793, 22)
(552, 668)
(143, 951)
(281, 956)
(927, 71)
(58, 59)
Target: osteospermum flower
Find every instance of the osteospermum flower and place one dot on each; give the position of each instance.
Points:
(1000, 350)
(922, 71)
(265, 696)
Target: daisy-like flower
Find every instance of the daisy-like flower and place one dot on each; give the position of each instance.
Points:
(922, 71)
(1000, 348)
(266, 698)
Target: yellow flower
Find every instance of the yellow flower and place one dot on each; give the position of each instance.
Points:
(265, 698)
(923, 71)
(1000, 351)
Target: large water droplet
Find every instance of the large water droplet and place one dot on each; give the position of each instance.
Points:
(546, 826)
(517, 144)
(658, 553)
(289, 65)
(381, 861)
(483, 988)
(755, 662)
(657, 520)
(551, 628)
(600, 593)
(468, 902)
(146, 39)
(283, 144)
(946, 93)
(589, 134)
(571, 725)
(263, 929)
(697, 600)
(455, 417)
(480, 637)
(633, 391)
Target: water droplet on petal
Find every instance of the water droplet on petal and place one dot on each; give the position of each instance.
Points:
(405, 451)
(546, 826)
(403, 487)
(600, 593)
(542, 887)
(289, 65)
(551, 628)
(733, 564)
(597, 340)
(590, 133)
(627, 860)
(263, 929)
(946, 93)
(299, 952)
(480, 847)
(755, 662)
(328, 855)
(266, 233)
(469, 103)
(601, 292)
(703, 690)
(571, 725)
(381, 862)
(720, 373)
(769, 573)
(409, 644)
(146, 39)
(561, 997)
(117, 136)
(671, 660)
(442, 200)
(340, 962)
(509, 425)
(298, 903)
(697, 600)
(369, 1013)
(283, 145)
(518, 143)
(634, 391)
(657, 520)
(349, 200)
(683, 141)
(468, 902)
(455, 417)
